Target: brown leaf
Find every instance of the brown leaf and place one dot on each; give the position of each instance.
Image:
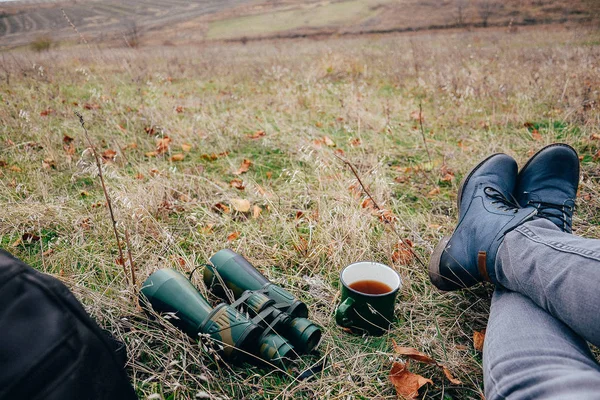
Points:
(406, 383)
(121, 128)
(448, 177)
(237, 183)
(47, 112)
(208, 229)
(14, 168)
(30, 237)
(402, 253)
(256, 135)
(478, 340)
(132, 145)
(340, 152)
(69, 148)
(151, 154)
(386, 216)
(417, 115)
(595, 136)
(256, 210)
(177, 157)
(368, 203)
(222, 208)
(244, 167)
(48, 163)
(48, 252)
(319, 124)
(241, 205)
(451, 378)
(355, 142)
(109, 155)
(150, 130)
(186, 147)
(536, 135)
(328, 141)
(433, 192)
(179, 109)
(162, 145)
(17, 242)
(412, 353)
(269, 174)
(67, 139)
(91, 106)
(232, 236)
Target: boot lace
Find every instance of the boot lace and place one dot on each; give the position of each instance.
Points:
(544, 211)
(498, 197)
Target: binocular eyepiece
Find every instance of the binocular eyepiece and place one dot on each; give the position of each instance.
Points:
(264, 320)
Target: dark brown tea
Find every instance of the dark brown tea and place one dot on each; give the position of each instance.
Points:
(370, 287)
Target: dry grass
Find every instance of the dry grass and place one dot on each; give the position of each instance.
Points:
(477, 90)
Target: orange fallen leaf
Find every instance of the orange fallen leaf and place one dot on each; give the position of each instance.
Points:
(256, 135)
(327, 140)
(48, 163)
(91, 106)
(237, 183)
(162, 145)
(269, 174)
(132, 145)
(368, 203)
(595, 136)
(179, 109)
(151, 154)
(406, 383)
(208, 229)
(69, 149)
(48, 252)
(67, 139)
(109, 155)
(355, 142)
(340, 152)
(17, 242)
(232, 236)
(186, 147)
(447, 178)
(433, 192)
(241, 205)
(256, 210)
(222, 208)
(403, 253)
(386, 216)
(450, 377)
(121, 128)
(478, 340)
(412, 353)
(14, 168)
(177, 157)
(150, 130)
(244, 167)
(536, 135)
(47, 112)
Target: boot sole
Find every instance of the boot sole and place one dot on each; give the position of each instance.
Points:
(436, 278)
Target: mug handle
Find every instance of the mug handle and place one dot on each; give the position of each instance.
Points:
(341, 314)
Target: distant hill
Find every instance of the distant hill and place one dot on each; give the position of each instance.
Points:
(134, 22)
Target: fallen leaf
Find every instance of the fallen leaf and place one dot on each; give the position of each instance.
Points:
(69, 149)
(433, 192)
(269, 174)
(222, 208)
(150, 130)
(162, 145)
(241, 205)
(355, 142)
(368, 203)
(121, 128)
(237, 183)
(47, 112)
(186, 147)
(448, 177)
(536, 135)
(109, 155)
(406, 383)
(151, 154)
(256, 210)
(256, 135)
(177, 157)
(319, 124)
(595, 136)
(417, 115)
(386, 216)
(451, 378)
(232, 236)
(132, 145)
(328, 141)
(48, 252)
(91, 106)
(17, 242)
(478, 340)
(340, 152)
(244, 167)
(179, 109)
(30, 237)
(208, 229)
(48, 163)
(67, 139)
(3, 163)
(586, 197)
(84, 193)
(412, 353)
(14, 168)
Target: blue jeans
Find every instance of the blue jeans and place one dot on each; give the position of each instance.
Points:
(544, 311)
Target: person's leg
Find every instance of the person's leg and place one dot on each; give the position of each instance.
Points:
(528, 354)
(558, 271)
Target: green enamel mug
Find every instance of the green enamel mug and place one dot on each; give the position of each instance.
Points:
(369, 291)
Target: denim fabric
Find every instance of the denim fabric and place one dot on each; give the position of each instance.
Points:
(547, 307)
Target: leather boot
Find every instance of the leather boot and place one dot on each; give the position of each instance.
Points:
(487, 212)
(549, 183)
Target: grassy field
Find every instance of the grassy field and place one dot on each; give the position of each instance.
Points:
(482, 91)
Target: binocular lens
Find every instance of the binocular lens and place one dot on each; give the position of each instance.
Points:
(304, 334)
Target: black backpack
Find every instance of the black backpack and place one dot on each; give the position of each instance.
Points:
(50, 348)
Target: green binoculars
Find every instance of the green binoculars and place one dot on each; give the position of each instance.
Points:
(264, 320)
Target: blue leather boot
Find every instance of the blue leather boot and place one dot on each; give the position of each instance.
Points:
(549, 183)
(487, 211)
